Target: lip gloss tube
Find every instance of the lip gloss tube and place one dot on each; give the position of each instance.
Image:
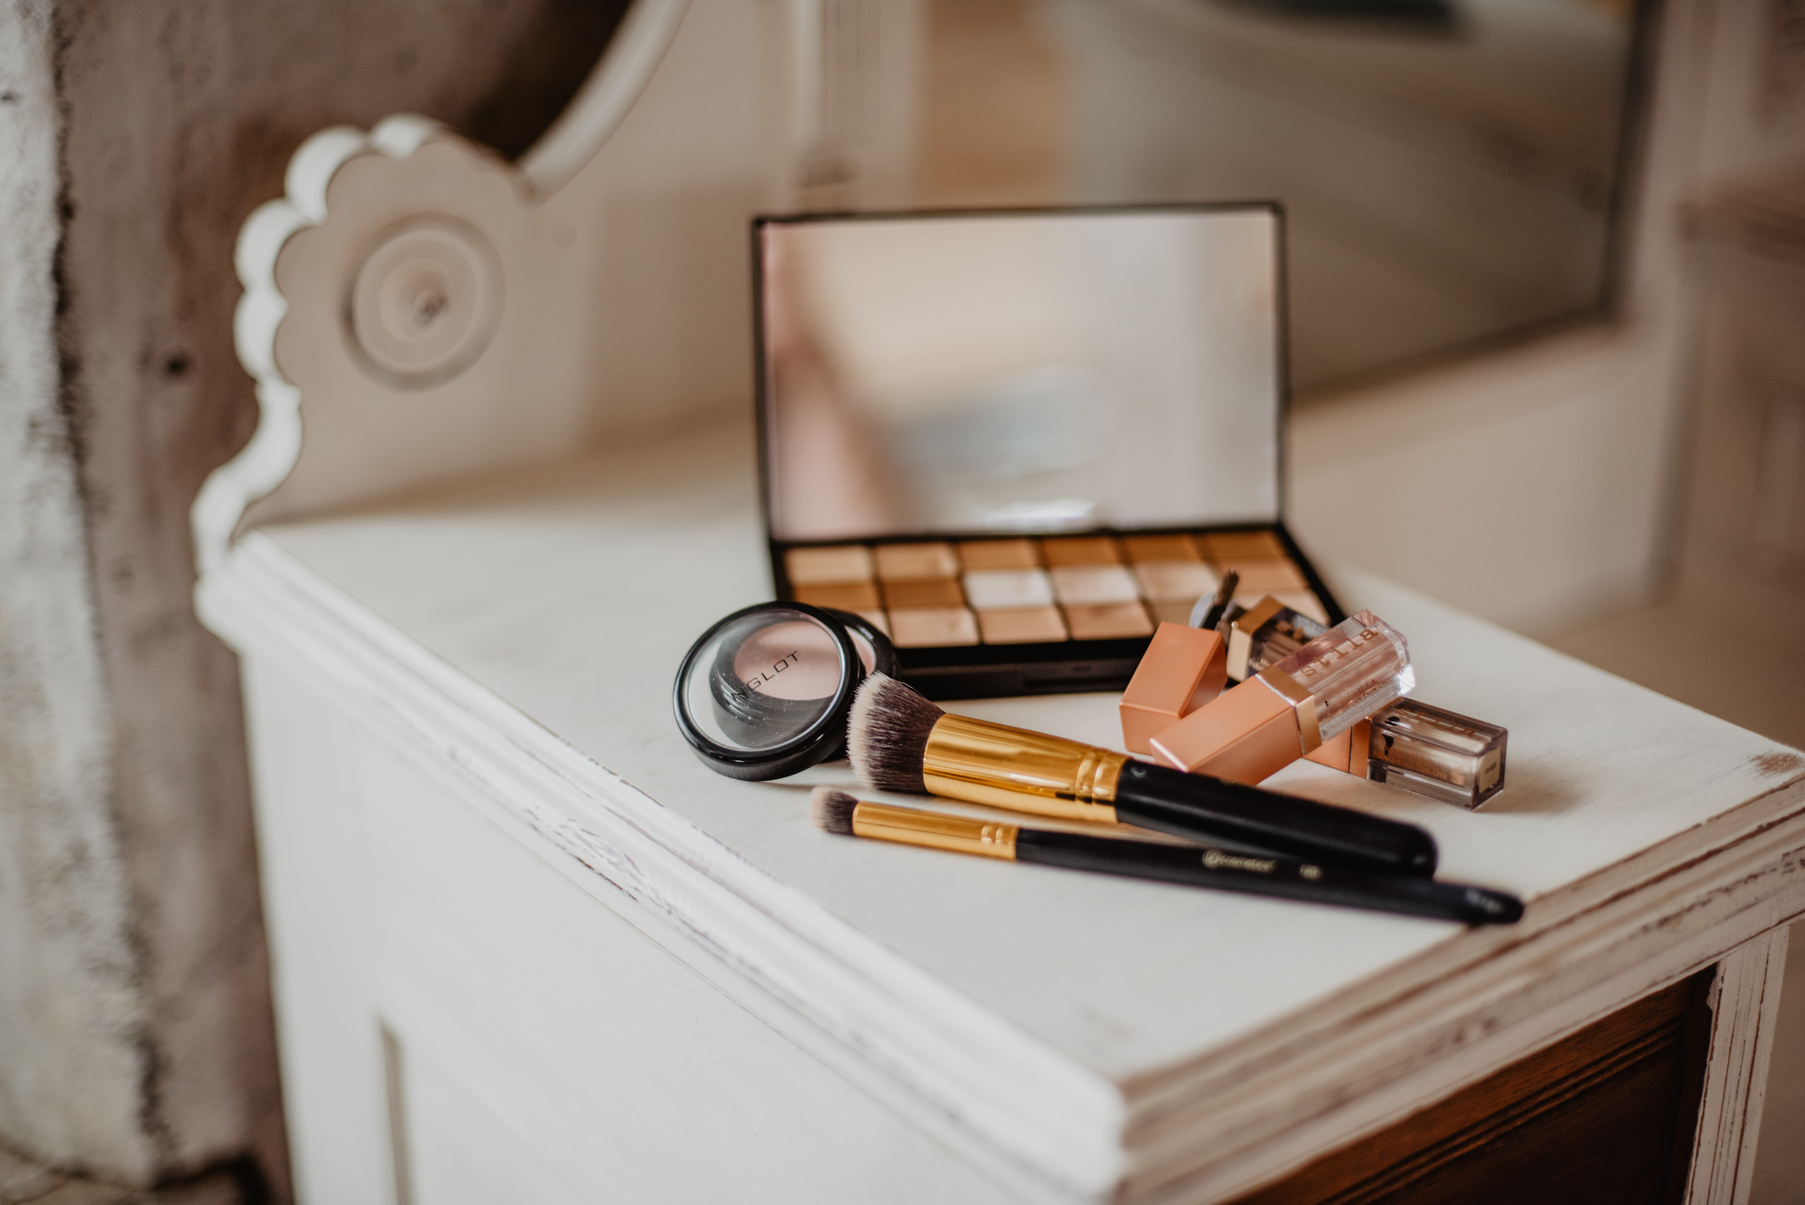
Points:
(1183, 669)
(1436, 753)
(1288, 710)
(1350, 750)
(1266, 635)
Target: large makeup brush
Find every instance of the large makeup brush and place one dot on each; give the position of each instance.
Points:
(1194, 866)
(898, 741)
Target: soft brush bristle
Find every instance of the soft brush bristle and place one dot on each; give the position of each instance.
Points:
(887, 736)
(832, 810)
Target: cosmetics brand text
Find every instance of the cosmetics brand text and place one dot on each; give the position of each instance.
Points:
(1215, 859)
(777, 667)
(1326, 662)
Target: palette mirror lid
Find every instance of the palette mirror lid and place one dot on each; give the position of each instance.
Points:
(961, 373)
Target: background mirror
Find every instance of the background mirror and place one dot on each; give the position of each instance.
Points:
(1021, 373)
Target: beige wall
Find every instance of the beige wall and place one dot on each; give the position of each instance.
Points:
(1541, 485)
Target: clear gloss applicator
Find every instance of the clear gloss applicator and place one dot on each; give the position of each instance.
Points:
(1288, 710)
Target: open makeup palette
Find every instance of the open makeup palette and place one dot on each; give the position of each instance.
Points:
(1019, 441)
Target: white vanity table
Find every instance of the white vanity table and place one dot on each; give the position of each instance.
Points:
(468, 778)
(527, 948)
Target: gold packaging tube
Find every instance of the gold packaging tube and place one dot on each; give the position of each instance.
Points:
(935, 830)
(982, 762)
(1309, 731)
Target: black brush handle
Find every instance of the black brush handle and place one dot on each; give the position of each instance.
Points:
(1286, 878)
(1210, 809)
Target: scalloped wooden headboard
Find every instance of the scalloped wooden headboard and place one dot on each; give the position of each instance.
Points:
(416, 308)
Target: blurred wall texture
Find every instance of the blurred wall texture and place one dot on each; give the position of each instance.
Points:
(136, 1041)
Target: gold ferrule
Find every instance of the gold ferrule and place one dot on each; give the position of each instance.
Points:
(981, 762)
(1303, 704)
(935, 830)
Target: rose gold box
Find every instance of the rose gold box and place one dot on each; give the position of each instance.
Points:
(1183, 669)
(1246, 735)
(1269, 721)
(1347, 751)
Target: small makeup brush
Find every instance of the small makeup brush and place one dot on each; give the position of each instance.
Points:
(1211, 615)
(898, 741)
(1222, 869)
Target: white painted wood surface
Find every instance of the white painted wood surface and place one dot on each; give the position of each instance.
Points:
(1745, 1005)
(602, 284)
(543, 1050)
(520, 639)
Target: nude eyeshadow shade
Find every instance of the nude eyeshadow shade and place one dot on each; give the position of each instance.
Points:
(975, 555)
(1021, 625)
(916, 562)
(992, 589)
(1171, 612)
(829, 566)
(1110, 621)
(844, 596)
(1227, 548)
(1175, 581)
(1012, 590)
(933, 627)
(931, 592)
(1080, 585)
(1263, 577)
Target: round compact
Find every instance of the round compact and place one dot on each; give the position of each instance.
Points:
(766, 691)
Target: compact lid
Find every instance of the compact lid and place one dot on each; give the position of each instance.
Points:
(941, 374)
(766, 692)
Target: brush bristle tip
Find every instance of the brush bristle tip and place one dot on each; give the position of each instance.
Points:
(831, 810)
(887, 735)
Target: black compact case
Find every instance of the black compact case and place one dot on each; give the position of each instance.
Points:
(1017, 441)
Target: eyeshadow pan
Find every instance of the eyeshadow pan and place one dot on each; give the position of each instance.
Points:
(1021, 625)
(1267, 575)
(1175, 581)
(852, 596)
(1085, 585)
(979, 555)
(1113, 621)
(1172, 612)
(1161, 548)
(942, 592)
(1229, 546)
(932, 627)
(994, 588)
(1080, 550)
(828, 566)
(915, 562)
(1003, 591)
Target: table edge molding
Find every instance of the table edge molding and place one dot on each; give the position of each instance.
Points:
(774, 950)
(1206, 1129)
